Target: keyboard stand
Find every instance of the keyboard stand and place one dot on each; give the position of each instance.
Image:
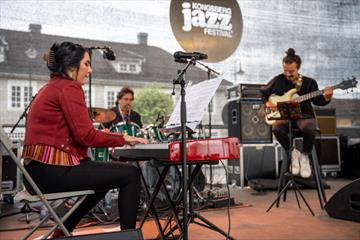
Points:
(176, 206)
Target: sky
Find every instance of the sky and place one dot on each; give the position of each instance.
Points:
(118, 21)
(122, 20)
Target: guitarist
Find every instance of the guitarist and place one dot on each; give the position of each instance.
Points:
(281, 84)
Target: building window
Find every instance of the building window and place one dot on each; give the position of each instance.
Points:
(110, 99)
(2, 54)
(123, 67)
(132, 68)
(27, 95)
(127, 67)
(15, 96)
(86, 93)
(110, 94)
(20, 94)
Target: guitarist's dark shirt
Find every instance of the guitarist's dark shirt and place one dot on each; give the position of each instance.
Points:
(280, 85)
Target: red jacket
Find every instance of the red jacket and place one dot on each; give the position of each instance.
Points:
(59, 117)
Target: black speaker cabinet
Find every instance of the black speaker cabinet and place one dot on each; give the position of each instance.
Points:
(345, 203)
(9, 177)
(246, 120)
(256, 161)
(120, 235)
(328, 152)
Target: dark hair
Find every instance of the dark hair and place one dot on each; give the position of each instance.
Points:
(64, 57)
(124, 91)
(291, 57)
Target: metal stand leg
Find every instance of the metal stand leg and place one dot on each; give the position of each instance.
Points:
(317, 177)
(291, 183)
(150, 206)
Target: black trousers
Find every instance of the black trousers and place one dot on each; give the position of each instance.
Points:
(306, 126)
(91, 175)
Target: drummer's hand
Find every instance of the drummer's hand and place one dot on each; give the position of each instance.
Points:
(130, 140)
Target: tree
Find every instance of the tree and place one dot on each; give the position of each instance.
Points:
(150, 101)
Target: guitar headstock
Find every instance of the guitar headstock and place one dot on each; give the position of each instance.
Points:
(346, 84)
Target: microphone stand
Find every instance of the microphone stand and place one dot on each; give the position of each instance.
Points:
(90, 75)
(180, 79)
(90, 79)
(209, 70)
(23, 114)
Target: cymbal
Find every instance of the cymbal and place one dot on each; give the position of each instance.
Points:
(102, 115)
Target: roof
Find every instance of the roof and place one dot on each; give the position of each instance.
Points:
(157, 64)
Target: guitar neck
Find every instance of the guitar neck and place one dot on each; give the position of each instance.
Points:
(308, 96)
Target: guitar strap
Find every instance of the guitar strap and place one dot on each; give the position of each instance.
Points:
(298, 83)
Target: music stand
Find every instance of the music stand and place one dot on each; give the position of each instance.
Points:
(289, 111)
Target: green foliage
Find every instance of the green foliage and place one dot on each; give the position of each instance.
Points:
(151, 100)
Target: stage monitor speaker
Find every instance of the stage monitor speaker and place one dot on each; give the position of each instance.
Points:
(256, 161)
(326, 119)
(246, 120)
(327, 150)
(345, 203)
(120, 235)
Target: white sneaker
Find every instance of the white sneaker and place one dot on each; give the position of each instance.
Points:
(295, 165)
(305, 169)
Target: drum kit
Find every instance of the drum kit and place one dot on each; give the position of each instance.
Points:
(152, 133)
(101, 115)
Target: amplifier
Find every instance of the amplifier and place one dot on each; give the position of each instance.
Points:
(251, 91)
(326, 118)
(327, 125)
(245, 91)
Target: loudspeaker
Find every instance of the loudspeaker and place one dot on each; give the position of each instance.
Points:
(345, 203)
(326, 118)
(9, 178)
(256, 161)
(327, 150)
(120, 235)
(246, 120)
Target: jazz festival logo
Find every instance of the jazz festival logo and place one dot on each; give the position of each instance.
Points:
(213, 27)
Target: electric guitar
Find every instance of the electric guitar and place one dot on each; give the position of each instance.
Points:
(272, 113)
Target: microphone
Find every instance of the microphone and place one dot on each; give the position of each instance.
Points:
(185, 55)
(127, 116)
(109, 54)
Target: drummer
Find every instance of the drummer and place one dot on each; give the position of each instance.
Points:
(123, 110)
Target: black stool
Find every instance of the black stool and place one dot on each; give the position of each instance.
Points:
(287, 179)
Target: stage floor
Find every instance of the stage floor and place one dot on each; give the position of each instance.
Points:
(249, 220)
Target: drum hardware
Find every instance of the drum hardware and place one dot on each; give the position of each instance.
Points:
(153, 134)
(102, 115)
(131, 129)
(172, 184)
